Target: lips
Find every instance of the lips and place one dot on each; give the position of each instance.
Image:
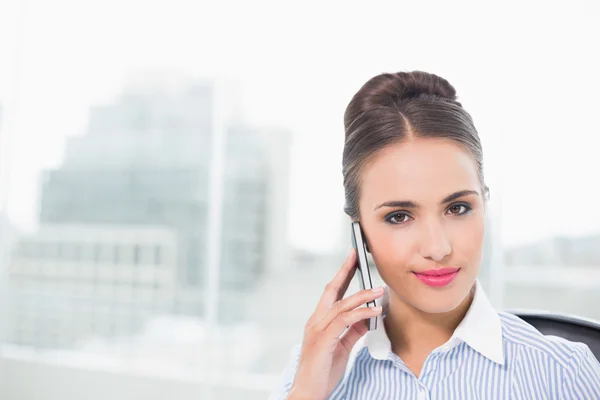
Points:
(438, 277)
(438, 272)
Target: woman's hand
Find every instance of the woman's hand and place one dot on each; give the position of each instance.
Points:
(325, 346)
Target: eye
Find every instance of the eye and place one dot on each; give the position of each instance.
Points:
(459, 209)
(397, 218)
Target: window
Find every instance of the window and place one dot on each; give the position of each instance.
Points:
(105, 253)
(136, 254)
(157, 255)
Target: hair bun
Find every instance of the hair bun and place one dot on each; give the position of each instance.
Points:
(391, 88)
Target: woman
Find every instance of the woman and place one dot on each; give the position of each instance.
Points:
(413, 176)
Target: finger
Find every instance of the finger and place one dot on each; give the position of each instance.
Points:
(336, 288)
(349, 318)
(348, 304)
(353, 334)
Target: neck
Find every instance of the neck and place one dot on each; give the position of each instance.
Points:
(412, 331)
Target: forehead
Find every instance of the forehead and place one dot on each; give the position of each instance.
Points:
(421, 170)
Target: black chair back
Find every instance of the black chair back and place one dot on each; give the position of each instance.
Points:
(570, 327)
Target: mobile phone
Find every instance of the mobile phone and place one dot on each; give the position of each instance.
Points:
(362, 267)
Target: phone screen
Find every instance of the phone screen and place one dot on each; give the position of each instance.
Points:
(362, 267)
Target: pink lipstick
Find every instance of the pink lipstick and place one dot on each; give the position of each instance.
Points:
(438, 277)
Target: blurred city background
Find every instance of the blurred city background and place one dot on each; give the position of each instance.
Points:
(170, 177)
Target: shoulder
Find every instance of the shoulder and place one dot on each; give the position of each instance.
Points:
(284, 383)
(573, 361)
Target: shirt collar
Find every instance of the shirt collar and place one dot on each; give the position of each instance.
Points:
(480, 329)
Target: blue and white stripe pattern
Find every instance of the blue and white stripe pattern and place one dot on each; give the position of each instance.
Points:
(491, 356)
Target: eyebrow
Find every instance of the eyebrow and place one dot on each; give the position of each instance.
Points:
(411, 204)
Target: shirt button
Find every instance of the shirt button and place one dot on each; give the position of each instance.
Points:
(422, 395)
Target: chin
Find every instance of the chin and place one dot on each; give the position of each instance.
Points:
(432, 301)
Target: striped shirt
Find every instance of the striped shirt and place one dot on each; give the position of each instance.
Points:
(491, 355)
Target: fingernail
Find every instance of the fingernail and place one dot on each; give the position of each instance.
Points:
(378, 289)
(377, 309)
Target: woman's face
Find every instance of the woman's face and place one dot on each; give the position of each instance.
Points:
(421, 210)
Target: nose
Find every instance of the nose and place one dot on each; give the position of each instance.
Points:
(435, 244)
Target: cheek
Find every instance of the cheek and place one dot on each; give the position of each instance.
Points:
(467, 242)
(393, 251)
(470, 237)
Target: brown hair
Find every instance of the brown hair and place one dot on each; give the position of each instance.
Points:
(393, 108)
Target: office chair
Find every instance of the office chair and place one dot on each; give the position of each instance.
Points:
(570, 327)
